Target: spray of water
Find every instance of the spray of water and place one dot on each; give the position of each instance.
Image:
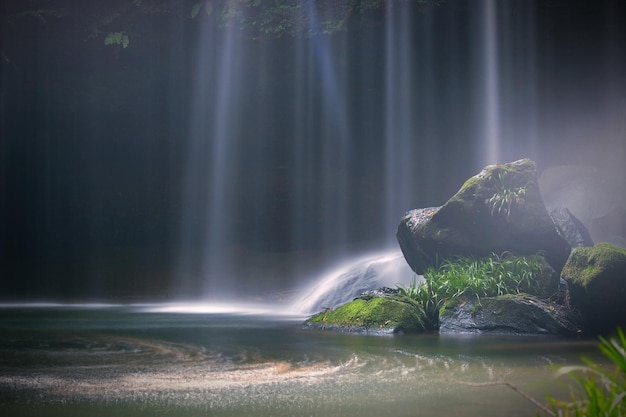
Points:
(350, 278)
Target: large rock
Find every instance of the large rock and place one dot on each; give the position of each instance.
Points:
(518, 314)
(572, 229)
(372, 313)
(498, 210)
(597, 285)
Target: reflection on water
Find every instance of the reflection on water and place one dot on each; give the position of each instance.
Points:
(62, 361)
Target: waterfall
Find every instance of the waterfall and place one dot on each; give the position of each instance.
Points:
(347, 280)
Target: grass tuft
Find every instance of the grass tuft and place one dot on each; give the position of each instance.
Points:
(599, 391)
(467, 276)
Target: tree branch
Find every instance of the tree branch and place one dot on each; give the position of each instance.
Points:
(508, 384)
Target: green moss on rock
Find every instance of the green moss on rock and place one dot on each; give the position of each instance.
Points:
(597, 283)
(449, 306)
(496, 211)
(587, 263)
(522, 173)
(372, 314)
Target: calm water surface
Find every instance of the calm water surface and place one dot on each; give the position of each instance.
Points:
(163, 361)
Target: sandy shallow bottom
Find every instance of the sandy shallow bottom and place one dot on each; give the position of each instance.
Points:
(252, 371)
(183, 379)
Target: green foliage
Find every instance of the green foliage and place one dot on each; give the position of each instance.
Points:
(195, 9)
(277, 18)
(466, 276)
(41, 14)
(425, 297)
(255, 19)
(599, 391)
(374, 313)
(274, 21)
(117, 38)
(506, 196)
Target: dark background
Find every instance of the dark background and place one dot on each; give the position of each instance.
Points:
(96, 139)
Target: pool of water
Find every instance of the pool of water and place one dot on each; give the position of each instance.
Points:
(107, 360)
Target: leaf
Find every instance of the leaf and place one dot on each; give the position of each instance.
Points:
(195, 9)
(117, 38)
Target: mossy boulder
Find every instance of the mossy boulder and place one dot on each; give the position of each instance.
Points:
(496, 211)
(597, 284)
(512, 314)
(372, 314)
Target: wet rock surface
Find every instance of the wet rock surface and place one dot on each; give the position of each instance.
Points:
(498, 210)
(572, 229)
(500, 213)
(597, 281)
(518, 314)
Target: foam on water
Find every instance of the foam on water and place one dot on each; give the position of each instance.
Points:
(188, 359)
(349, 279)
(361, 382)
(210, 307)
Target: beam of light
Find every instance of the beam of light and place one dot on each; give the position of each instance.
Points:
(492, 104)
(399, 115)
(335, 137)
(211, 166)
(518, 79)
(321, 149)
(333, 95)
(304, 169)
(222, 178)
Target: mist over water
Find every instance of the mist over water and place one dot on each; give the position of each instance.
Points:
(332, 151)
(348, 131)
(179, 205)
(212, 165)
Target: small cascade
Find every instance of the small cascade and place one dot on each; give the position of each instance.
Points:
(352, 277)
